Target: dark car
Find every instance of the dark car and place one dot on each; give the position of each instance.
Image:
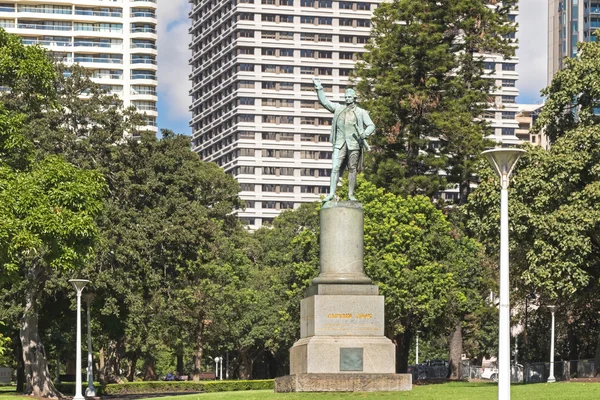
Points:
(430, 369)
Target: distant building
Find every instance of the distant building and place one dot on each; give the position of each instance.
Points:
(569, 22)
(114, 39)
(526, 118)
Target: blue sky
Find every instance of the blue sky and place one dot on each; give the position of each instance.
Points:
(174, 54)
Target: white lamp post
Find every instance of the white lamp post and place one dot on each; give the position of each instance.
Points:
(91, 390)
(79, 284)
(417, 349)
(551, 377)
(216, 367)
(503, 162)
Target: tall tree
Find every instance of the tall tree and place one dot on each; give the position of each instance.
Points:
(423, 81)
(47, 206)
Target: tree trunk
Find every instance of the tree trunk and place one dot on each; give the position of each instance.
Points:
(402, 350)
(20, 366)
(149, 372)
(101, 367)
(37, 377)
(133, 362)
(179, 364)
(197, 360)
(247, 363)
(455, 344)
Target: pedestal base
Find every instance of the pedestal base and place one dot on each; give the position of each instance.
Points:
(360, 382)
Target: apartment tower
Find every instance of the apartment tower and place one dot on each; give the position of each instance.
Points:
(254, 109)
(115, 39)
(569, 22)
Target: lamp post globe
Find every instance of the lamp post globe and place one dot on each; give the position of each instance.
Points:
(78, 284)
(503, 161)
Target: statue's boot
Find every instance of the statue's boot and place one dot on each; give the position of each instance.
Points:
(332, 186)
(351, 185)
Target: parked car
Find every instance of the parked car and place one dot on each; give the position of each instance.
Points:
(430, 369)
(491, 372)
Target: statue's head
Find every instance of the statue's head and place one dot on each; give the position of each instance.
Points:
(350, 96)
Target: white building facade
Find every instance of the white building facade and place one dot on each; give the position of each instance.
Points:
(254, 109)
(114, 39)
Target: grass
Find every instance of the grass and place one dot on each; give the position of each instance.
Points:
(452, 391)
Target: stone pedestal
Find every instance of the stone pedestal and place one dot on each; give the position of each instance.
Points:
(342, 346)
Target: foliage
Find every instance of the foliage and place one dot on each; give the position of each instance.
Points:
(422, 79)
(172, 387)
(572, 97)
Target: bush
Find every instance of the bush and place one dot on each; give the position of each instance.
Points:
(169, 387)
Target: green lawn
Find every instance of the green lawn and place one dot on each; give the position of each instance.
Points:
(452, 391)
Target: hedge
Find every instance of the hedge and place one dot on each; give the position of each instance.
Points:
(169, 387)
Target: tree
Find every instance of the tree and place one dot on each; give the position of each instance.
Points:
(423, 81)
(555, 221)
(572, 97)
(47, 207)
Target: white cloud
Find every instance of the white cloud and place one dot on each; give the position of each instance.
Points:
(173, 58)
(533, 49)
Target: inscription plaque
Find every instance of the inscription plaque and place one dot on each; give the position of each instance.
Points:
(351, 359)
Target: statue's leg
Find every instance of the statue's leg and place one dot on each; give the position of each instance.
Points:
(352, 165)
(338, 159)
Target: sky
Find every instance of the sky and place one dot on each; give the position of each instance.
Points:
(174, 55)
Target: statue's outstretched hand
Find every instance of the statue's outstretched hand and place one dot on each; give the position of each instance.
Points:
(317, 83)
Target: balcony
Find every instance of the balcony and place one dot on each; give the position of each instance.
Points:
(98, 60)
(107, 76)
(143, 76)
(142, 14)
(45, 27)
(142, 91)
(92, 13)
(7, 9)
(143, 46)
(143, 61)
(98, 29)
(143, 30)
(49, 43)
(37, 10)
(98, 44)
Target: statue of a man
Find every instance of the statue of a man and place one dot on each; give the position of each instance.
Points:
(351, 125)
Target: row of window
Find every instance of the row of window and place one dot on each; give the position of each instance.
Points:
(504, 66)
(283, 119)
(304, 154)
(305, 19)
(271, 205)
(342, 5)
(317, 37)
(289, 103)
(283, 171)
(304, 53)
(274, 188)
(289, 69)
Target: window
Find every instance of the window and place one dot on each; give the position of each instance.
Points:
(286, 69)
(308, 37)
(345, 5)
(345, 21)
(325, 37)
(307, 53)
(286, 171)
(246, 118)
(307, 71)
(286, 119)
(508, 99)
(363, 6)
(508, 83)
(247, 153)
(508, 131)
(269, 204)
(307, 19)
(247, 170)
(325, 20)
(268, 52)
(346, 55)
(269, 85)
(269, 170)
(286, 18)
(246, 101)
(268, 35)
(286, 154)
(307, 104)
(286, 205)
(489, 114)
(489, 65)
(269, 68)
(286, 189)
(307, 137)
(508, 115)
(246, 135)
(307, 3)
(249, 203)
(246, 17)
(246, 67)
(345, 39)
(247, 187)
(269, 136)
(289, 137)
(325, 3)
(286, 52)
(245, 50)
(307, 155)
(246, 34)
(307, 121)
(286, 86)
(325, 155)
(269, 188)
(363, 23)
(269, 119)
(362, 39)
(345, 72)
(307, 189)
(267, 18)
(509, 67)
(286, 2)
(267, 2)
(307, 172)
(325, 71)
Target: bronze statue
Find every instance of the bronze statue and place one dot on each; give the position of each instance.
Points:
(351, 125)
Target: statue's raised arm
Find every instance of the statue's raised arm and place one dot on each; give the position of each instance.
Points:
(350, 126)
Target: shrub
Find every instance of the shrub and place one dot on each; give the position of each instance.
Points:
(170, 387)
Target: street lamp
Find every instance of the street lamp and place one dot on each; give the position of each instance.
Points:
(91, 390)
(79, 284)
(217, 372)
(503, 161)
(551, 377)
(417, 349)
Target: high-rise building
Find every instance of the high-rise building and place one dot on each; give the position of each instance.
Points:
(569, 22)
(114, 39)
(254, 109)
